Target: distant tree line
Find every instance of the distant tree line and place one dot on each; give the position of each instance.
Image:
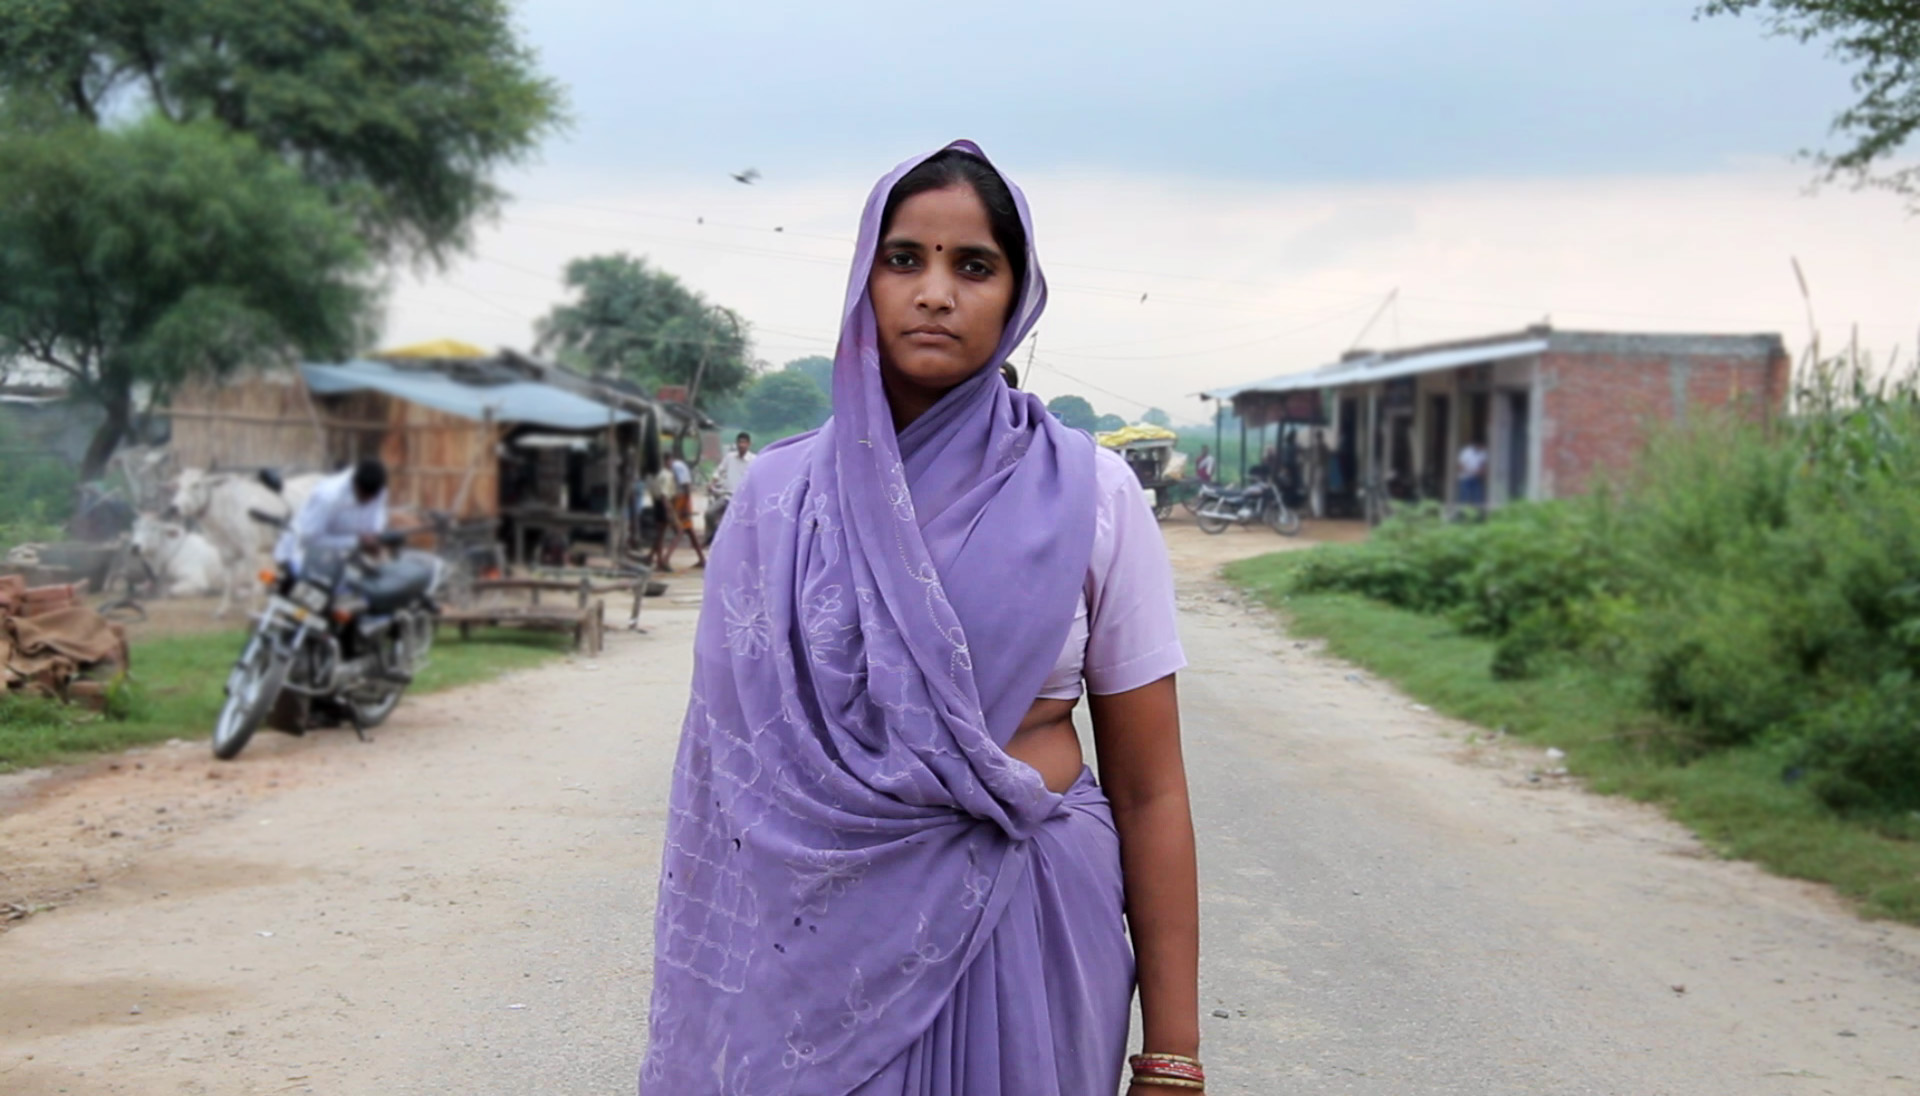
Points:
(1077, 412)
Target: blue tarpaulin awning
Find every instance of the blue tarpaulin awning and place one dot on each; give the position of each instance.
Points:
(512, 401)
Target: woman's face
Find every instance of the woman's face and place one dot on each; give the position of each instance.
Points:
(941, 290)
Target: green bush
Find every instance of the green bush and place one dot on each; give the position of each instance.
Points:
(1749, 584)
(1863, 749)
(1537, 577)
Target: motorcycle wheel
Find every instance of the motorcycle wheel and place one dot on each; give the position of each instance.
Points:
(1212, 526)
(421, 634)
(252, 687)
(374, 701)
(1285, 520)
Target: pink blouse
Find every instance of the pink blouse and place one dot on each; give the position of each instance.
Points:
(1124, 632)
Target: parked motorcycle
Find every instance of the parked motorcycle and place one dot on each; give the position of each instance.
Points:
(717, 503)
(339, 642)
(1218, 507)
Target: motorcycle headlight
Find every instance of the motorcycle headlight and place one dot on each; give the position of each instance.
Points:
(309, 596)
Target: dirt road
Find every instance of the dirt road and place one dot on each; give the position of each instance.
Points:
(464, 906)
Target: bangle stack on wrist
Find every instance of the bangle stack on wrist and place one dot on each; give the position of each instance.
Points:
(1168, 1071)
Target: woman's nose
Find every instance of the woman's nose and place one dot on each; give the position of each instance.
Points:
(935, 293)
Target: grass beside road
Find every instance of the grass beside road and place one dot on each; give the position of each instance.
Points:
(177, 684)
(1736, 800)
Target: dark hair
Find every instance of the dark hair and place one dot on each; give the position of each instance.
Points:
(950, 167)
(743, 436)
(369, 478)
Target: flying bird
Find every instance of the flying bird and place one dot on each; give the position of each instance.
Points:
(746, 177)
(1143, 298)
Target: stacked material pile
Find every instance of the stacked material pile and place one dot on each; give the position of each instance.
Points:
(52, 645)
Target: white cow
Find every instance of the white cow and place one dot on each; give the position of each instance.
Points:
(184, 563)
(219, 502)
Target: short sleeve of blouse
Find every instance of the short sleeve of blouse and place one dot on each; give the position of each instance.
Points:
(1133, 636)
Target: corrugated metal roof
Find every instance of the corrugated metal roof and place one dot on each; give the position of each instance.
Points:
(1377, 368)
(513, 401)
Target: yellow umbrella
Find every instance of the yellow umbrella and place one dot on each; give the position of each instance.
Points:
(438, 348)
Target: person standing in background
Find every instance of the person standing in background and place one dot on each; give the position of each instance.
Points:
(1473, 474)
(1203, 468)
(680, 516)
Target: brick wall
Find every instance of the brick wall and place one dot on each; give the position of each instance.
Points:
(1602, 396)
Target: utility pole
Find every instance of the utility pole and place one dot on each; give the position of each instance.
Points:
(699, 371)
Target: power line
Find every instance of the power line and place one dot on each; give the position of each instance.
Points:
(1527, 308)
(1192, 352)
(1097, 388)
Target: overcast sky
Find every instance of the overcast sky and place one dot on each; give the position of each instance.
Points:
(1265, 172)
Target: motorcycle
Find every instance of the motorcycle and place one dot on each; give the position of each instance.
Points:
(717, 502)
(341, 640)
(1218, 507)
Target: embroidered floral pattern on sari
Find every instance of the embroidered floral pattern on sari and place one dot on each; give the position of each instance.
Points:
(749, 628)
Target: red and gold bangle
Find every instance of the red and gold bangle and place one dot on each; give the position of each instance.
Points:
(1168, 1070)
(1167, 1082)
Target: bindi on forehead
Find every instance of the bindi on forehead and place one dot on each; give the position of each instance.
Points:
(939, 247)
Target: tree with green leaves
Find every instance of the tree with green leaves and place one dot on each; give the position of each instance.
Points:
(785, 402)
(1153, 416)
(1880, 41)
(817, 366)
(1104, 423)
(630, 320)
(138, 257)
(399, 111)
(352, 118)
(1073, 411)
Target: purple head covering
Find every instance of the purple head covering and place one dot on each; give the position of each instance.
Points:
(845, 827)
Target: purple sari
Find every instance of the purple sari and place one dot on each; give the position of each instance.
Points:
(861, 892)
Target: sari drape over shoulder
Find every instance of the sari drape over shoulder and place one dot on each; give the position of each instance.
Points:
(858, 882)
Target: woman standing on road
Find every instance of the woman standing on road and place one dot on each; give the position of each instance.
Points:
(888, 871)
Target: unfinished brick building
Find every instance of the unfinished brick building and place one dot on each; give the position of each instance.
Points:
(1553, 409)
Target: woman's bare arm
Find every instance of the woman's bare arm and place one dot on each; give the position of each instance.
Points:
(1137, 737)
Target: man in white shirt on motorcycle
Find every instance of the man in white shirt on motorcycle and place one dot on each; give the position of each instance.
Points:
(346, 509)
(726, 481)
(733, 467)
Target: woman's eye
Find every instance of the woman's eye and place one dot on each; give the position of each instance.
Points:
(900, 259)
(977, 268)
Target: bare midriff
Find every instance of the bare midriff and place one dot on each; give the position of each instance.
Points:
(1047, 741)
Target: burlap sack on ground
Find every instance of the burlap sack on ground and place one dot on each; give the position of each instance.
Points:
(44, 652)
